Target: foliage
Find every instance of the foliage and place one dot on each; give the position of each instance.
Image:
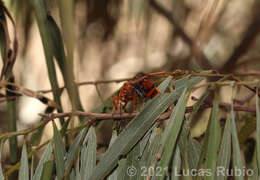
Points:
(154, 143)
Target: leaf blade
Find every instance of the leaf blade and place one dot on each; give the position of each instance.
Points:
(59, 152)
(24, 169)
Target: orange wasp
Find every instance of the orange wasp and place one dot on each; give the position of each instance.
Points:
(140, 86)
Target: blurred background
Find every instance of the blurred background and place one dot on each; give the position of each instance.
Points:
(119, 38)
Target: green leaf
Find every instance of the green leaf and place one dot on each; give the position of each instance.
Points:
(47, 170)
(32, 163)
(122, 168)
(163, 86)
(133, 133)
(172, 130)
(113, 176)
(149, 156)
(24, 169)
(113, 138)
(45, 157)
(137, 128)
(225, 151)
(197, 106)
(236, 156)
(186, 168)
(74, 150)
(40, 11)
(193, 153)
(78, 175)
(59, 152)
(214, 140)
(72, 175)
(132, 161)
(65, 66)
(67, 18)
(1, 170)
(176, 164)
(188, 82)
(88, 155)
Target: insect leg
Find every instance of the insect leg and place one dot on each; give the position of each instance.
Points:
(153, 92)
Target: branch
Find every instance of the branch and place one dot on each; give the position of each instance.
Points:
(88, 83)
(226, 106)
(96, 116)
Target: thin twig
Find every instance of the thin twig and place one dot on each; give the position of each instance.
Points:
(119, 116)
(227, 107)
(96, 116)
(255, 73)
(88, 83)
(250, 73)
(228, 83)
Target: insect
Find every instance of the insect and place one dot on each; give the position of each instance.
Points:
(140, 87)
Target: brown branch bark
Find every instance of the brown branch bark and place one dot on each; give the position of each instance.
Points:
(119, 116)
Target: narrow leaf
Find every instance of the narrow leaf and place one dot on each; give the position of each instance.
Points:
(45, 157)
(133, 133)
(176, 164)
(193, 153)
(47, 170)
(122, 168)
(88, 155)
(172, 131)
(24, 169)
(236, 156)
(72, 151)
(214, 140)
(1, 170)
(225, 152)
(163, 86)
(137, 128)
(114, 174)
(133, 163)
(59, 152)
(72, 175)
(32, 163)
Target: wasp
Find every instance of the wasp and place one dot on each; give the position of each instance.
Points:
(141, 86)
